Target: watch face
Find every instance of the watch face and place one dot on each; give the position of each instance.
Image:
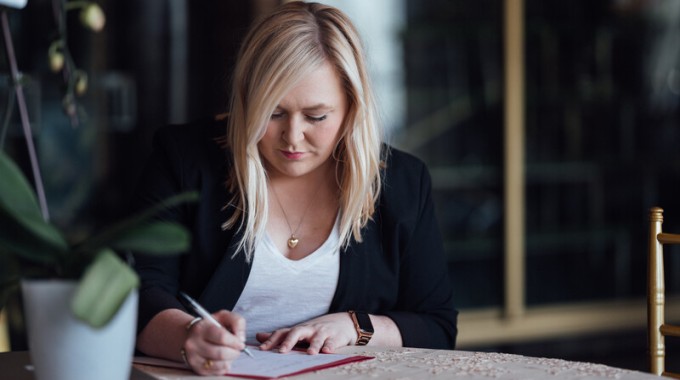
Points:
(364, 322)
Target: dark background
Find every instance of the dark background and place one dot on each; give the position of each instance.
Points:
(601, 135)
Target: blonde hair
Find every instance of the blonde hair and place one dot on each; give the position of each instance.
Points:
(279, 50)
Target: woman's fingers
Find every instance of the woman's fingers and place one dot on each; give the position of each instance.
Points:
(323, 334)
(296, 334)
(262, 336)
(209, 359)
(211, 367)
(220, 336)
(318, 338)
(273, 339)
(324, 340)
(210, 349)
(315, 344)
(233, 322)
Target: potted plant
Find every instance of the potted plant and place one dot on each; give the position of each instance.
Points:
(80, 297)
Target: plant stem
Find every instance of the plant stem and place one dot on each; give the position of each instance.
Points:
(8, 116)
(23, 113)
(59, 8)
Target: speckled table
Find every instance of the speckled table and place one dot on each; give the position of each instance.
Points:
(417, 364)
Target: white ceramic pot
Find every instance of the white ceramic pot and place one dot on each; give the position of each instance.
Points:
(64, 348)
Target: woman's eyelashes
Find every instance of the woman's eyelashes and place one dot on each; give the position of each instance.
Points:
(277, 114)
(316, 119)
(310, 118)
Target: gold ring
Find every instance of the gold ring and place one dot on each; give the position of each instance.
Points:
(207, 364)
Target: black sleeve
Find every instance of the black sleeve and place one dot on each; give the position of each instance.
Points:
(159, 275)
(184, 158)
(424, 313)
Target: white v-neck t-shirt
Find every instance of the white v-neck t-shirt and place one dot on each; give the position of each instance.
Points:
(281, 292)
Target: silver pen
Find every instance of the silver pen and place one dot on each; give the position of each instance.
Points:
(203, 313)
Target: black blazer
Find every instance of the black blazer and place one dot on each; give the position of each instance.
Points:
(398, 270)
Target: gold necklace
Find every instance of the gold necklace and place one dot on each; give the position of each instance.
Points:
(293, 240)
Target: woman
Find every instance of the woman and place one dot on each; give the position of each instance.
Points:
(309, 229)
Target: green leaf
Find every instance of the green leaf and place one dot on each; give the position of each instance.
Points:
(154, 238)
(21, 218)
(135, 222)
(103, 288)
(42, 243)
(16, 194)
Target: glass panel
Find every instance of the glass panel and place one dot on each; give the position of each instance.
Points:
(454, 123)
(436, 68)
(602, 119)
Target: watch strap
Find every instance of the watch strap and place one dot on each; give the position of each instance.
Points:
(363, 326)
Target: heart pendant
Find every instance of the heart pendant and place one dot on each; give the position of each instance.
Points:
(292, 242)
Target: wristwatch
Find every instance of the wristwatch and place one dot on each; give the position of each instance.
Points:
(363, 325)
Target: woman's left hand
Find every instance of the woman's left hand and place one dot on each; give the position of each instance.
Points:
(324, 334)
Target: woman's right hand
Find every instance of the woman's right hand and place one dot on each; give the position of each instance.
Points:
(210, 349)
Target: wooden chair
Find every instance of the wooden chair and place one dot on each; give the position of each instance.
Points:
(4, 331)
(657, 329)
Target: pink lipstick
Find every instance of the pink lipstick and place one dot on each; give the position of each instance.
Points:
(292, 155)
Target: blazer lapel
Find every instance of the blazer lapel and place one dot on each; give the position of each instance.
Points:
(229, 279)
(355, 272)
